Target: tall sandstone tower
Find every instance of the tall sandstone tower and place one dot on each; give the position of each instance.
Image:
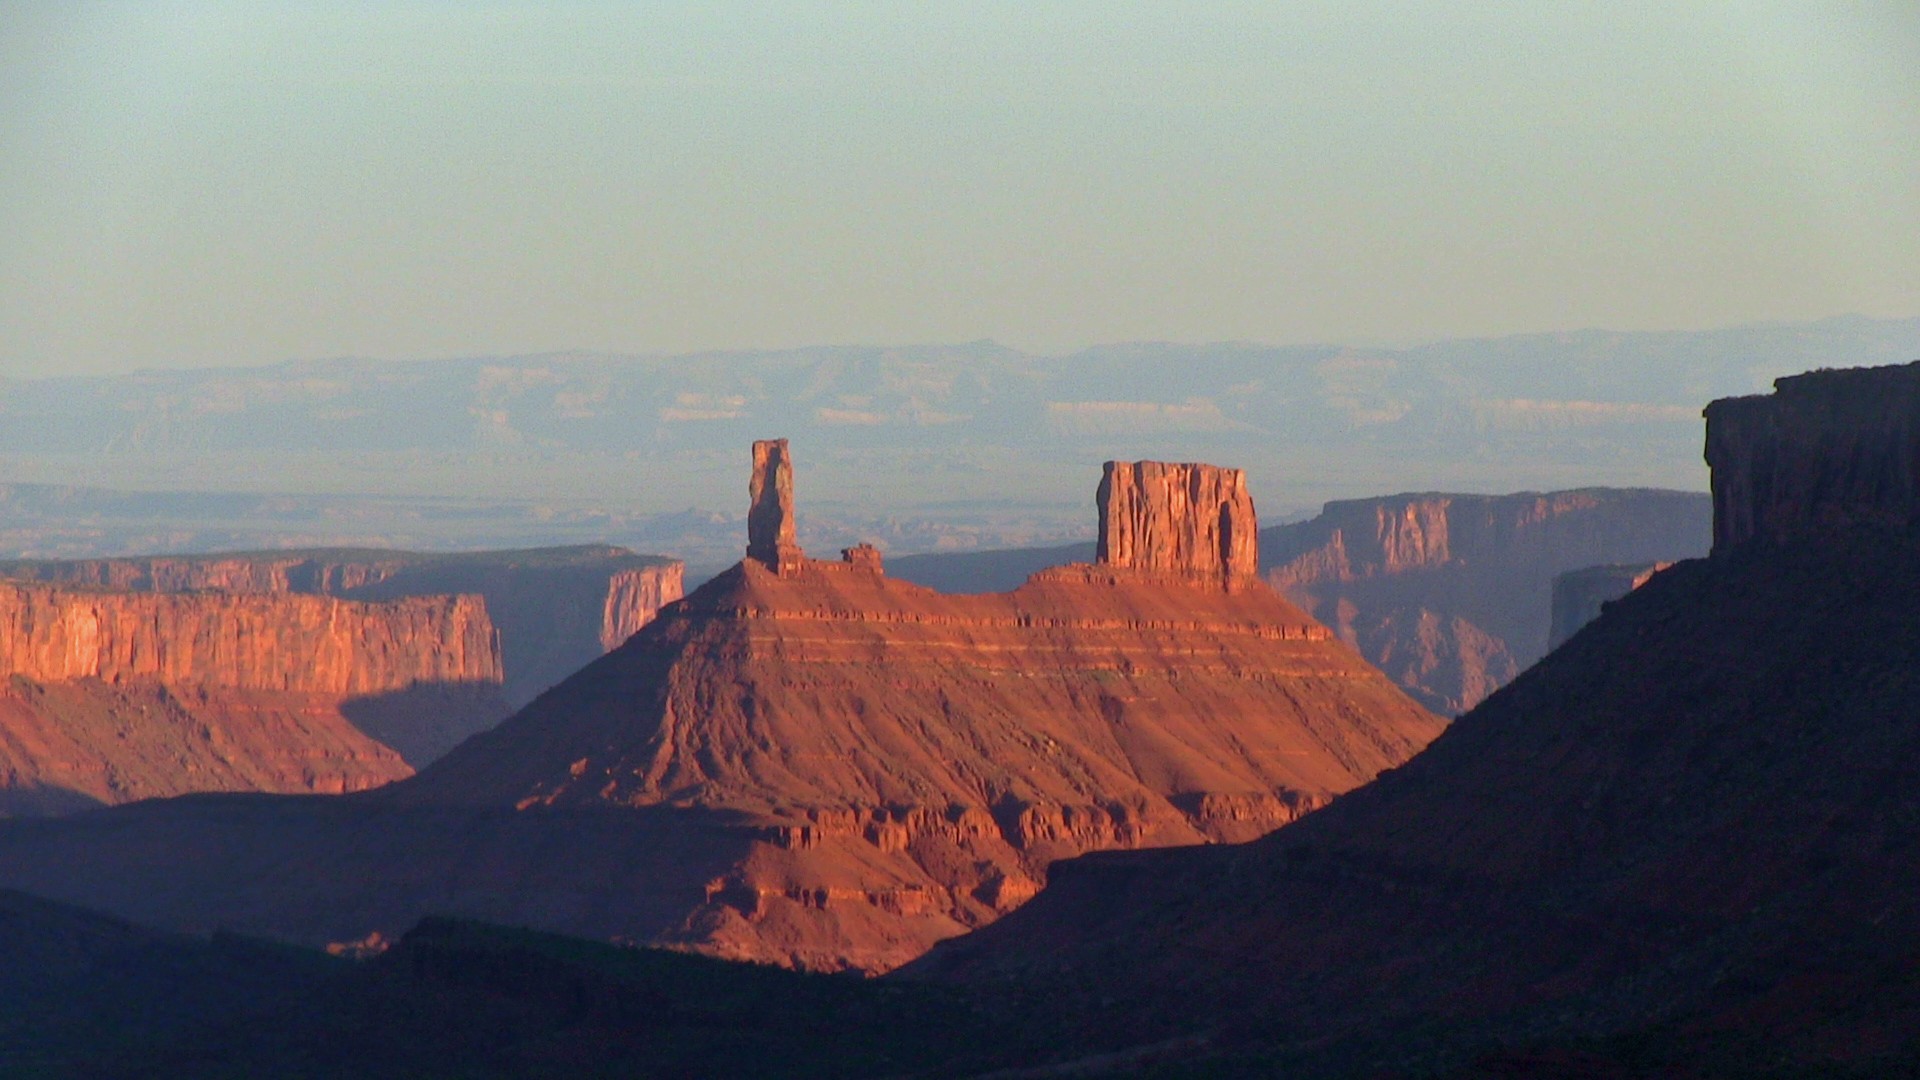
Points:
(770, 528)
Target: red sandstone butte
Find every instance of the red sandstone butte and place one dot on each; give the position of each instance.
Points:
(905, 763)
(1691, 828)
(1580, 595)
(1826, 451)
(1450, 594)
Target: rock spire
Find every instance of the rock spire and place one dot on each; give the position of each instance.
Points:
(770, 528)
(1186, 520)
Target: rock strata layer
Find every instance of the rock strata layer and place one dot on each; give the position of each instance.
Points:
(302, 644)
(1825, 451)
(114, 696)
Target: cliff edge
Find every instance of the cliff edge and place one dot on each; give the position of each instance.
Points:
(556, 609)
(1825, 451)
(113, 696)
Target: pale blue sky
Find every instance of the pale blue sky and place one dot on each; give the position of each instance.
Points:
(207, 184)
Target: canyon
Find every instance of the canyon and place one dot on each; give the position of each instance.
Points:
(811, 763)
(1682, 840)
(1680, 845)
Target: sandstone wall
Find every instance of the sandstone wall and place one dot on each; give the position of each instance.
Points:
(1826, 450)
(307, 644)
(292, 572)
(634, 597)
(1184, 520)
(556, 609)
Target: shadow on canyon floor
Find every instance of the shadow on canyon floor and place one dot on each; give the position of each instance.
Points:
(425, 720)
(44, 800)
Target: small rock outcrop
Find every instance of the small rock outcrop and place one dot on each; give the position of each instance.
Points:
(1825, 451)
(1188, 521)
(863, 557)
(770, 525)
(1578, 595)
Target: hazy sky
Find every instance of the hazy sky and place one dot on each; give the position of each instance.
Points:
(207, 184)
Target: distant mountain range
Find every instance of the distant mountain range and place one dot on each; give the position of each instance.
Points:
(962, 432)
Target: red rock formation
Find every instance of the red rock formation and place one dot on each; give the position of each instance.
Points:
(302, 644)
(911, 762)
(1187, 520)
(67, 746)
(556, 608)
(770, 523)
(820, 766)
(1826, 450)
(634, 597)
(1580, 595)
(114, 696)
(863, 557)
(1451, 594)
